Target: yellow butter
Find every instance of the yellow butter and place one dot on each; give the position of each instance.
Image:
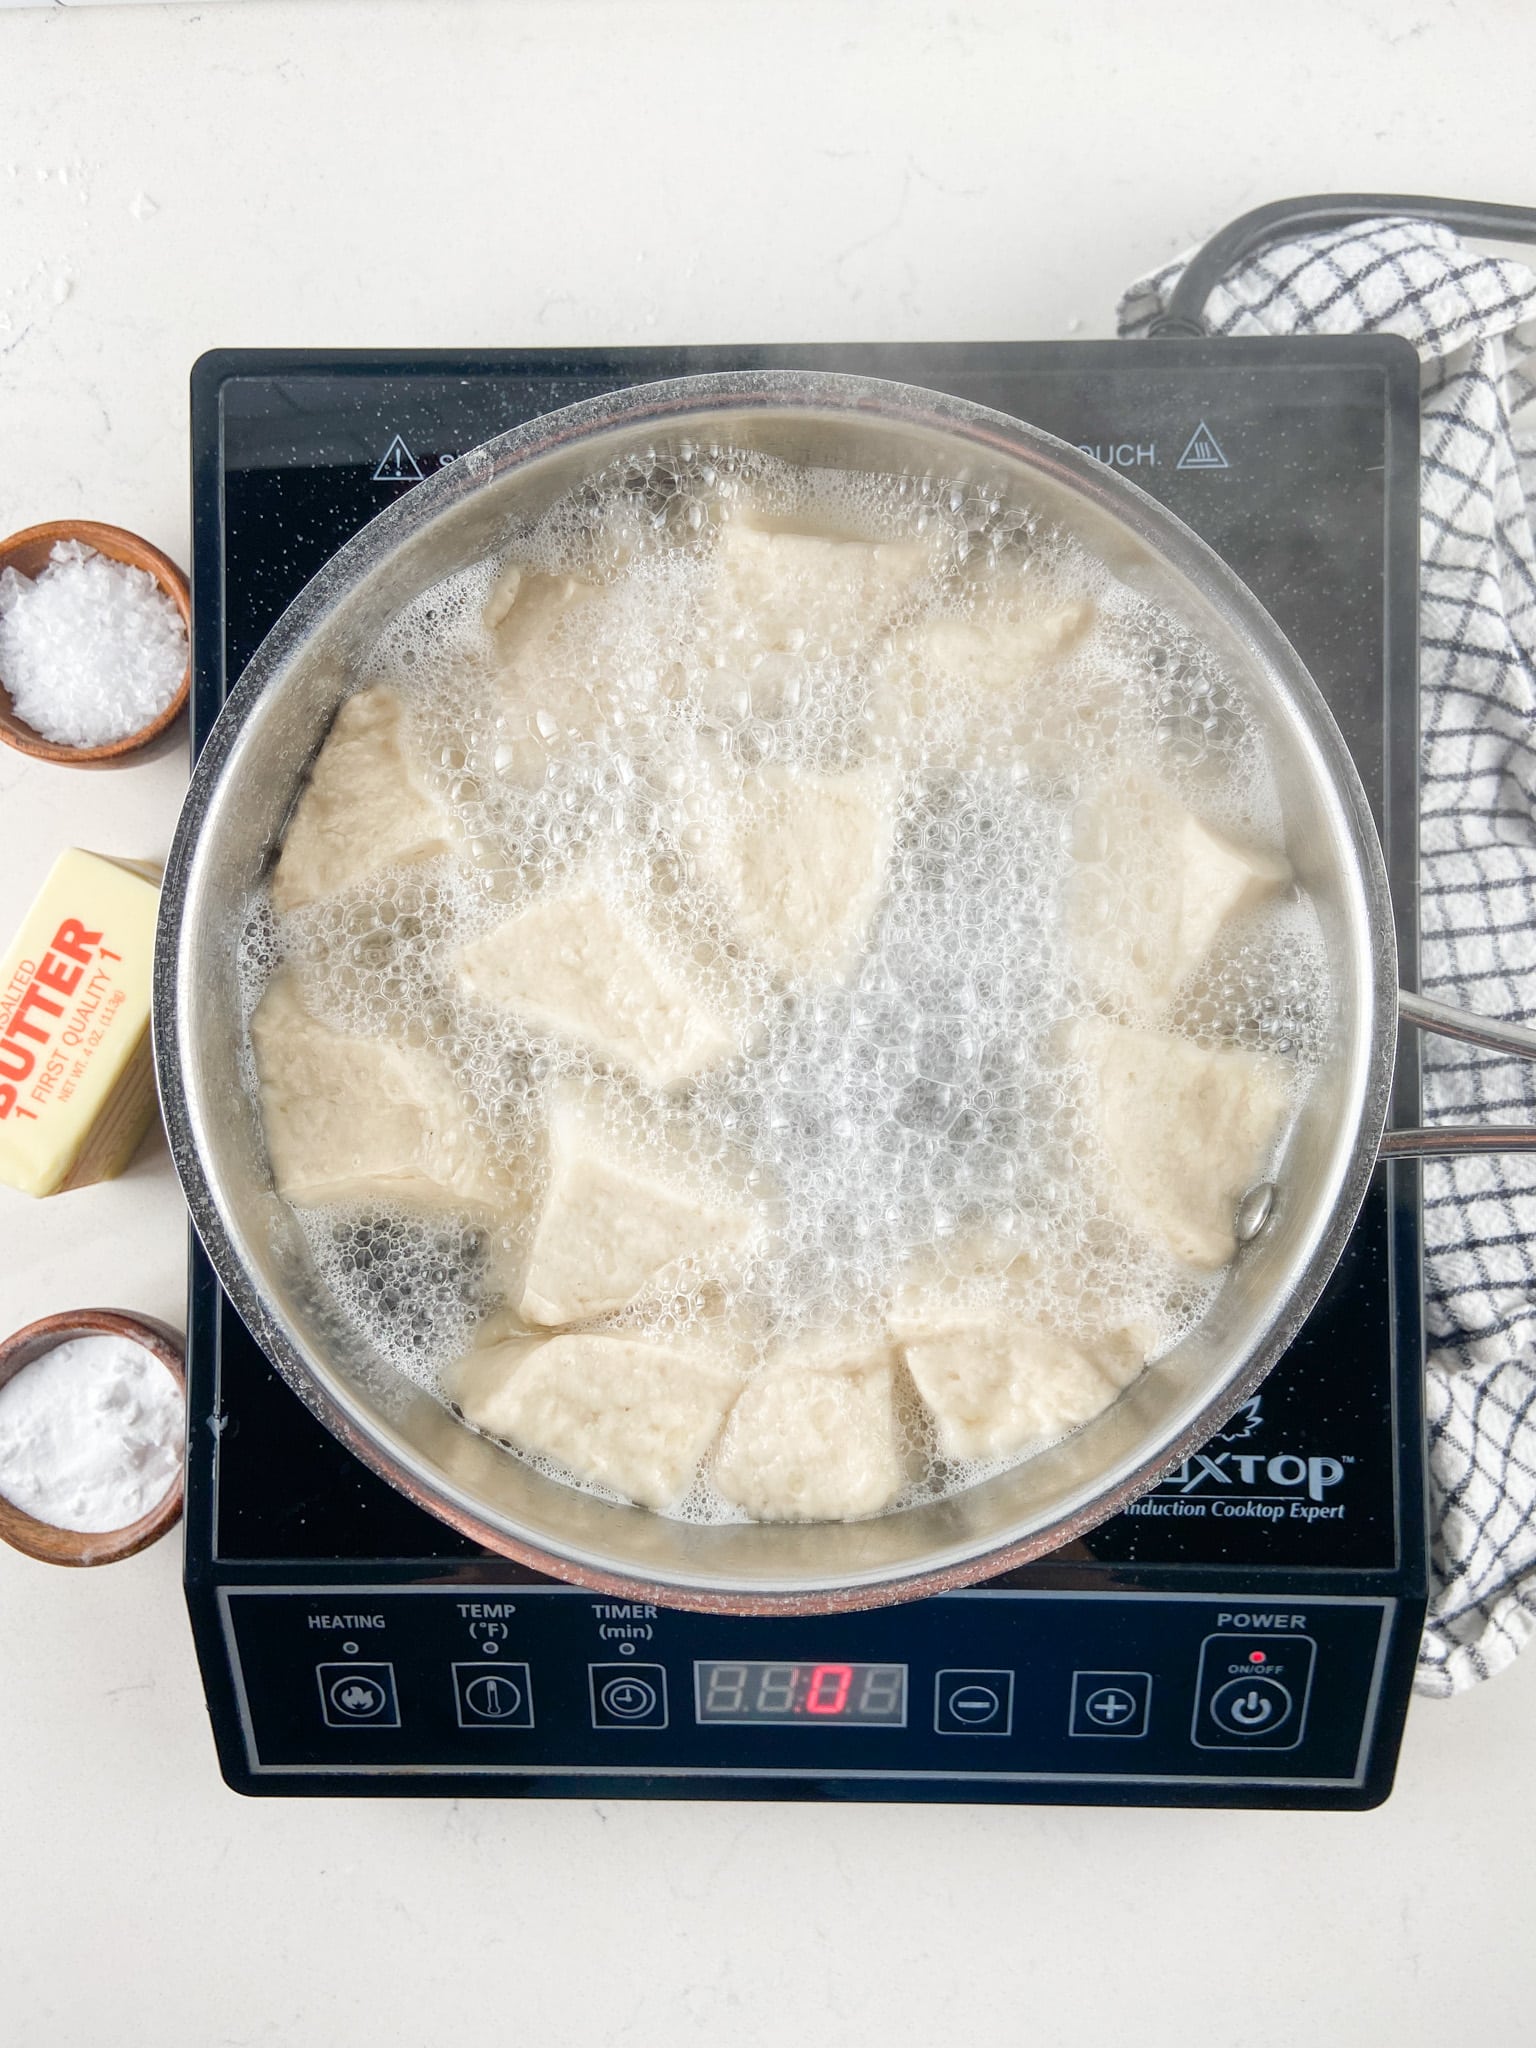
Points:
(77, 1087)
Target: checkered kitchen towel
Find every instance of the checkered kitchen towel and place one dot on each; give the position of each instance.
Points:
(1473, 322)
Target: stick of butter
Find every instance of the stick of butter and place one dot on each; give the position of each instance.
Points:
(77, 1088)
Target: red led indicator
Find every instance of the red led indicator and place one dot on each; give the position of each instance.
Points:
(1255, 1656)
(829, 1689)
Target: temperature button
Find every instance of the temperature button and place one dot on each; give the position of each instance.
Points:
(973, 1703)
(628, 1695)
(1253, 1691)
(493, 1695)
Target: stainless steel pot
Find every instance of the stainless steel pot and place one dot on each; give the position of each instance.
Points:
(245, 784)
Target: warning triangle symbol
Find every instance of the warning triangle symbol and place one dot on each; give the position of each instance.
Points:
(397, 465)
(1203, 452)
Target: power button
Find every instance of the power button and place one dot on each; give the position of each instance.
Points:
(1253, 1691)
(1250, 1706)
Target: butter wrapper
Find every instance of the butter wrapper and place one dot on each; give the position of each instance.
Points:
(77, 1089)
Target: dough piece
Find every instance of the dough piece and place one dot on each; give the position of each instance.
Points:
(937, 1281)
(569, 964)
(996, 663)
(364, 807)
(360, 1119)
(1002, 649)
(794, 593)
(798, 860)
(1187, 1131)
(1156, 887)
(621, 1412)
(539, 602)
(814, 1439)
(551, 699)
(995, 1388)
(529, 615)
(610, 1226)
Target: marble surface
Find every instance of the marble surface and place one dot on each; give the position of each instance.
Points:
(452, 172)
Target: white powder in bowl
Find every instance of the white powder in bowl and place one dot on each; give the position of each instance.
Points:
(90, 1434)
(90, 652)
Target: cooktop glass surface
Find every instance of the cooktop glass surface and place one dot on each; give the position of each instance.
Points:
(1293, 460)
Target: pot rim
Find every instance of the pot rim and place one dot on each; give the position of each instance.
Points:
(666, 408)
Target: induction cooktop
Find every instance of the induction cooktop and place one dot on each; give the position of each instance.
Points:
(1244, 1634)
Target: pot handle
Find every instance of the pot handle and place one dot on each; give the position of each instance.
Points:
(1425, 1014)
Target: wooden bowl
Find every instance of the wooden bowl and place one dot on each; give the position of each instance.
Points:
(27, 553)
(75, 1546)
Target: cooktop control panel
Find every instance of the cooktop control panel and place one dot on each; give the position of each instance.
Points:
(989, 1690)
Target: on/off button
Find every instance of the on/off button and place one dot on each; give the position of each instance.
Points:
(1249, 1706)
(1253, 1691)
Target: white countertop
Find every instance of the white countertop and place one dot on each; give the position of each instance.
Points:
(459, 172)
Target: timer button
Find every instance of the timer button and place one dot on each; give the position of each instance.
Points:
(628, 1695)
(973, 1703)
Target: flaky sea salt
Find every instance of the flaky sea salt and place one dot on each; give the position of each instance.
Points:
(90, 651)
(90, 1434)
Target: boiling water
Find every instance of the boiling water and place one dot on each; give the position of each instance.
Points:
(914, 1117)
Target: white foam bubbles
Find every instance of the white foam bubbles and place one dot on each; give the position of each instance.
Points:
(886, 1119)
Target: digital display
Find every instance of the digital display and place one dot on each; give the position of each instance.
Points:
(802, 1695)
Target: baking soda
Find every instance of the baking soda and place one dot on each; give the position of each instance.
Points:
(92, 650)
(90, 1434)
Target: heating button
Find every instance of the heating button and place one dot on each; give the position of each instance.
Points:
(358, 1695)
(1252, 1692)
